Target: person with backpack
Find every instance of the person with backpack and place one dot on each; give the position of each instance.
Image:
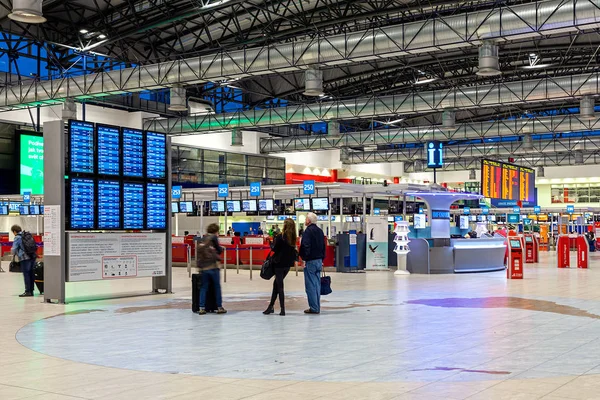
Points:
(25, 248)
(208, 257)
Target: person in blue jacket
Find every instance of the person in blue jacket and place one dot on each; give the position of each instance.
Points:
(312, 251)
(27, 262)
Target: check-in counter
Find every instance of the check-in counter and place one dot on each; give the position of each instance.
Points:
(478, 255)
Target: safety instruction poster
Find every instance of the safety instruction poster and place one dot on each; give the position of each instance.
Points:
(97, 256)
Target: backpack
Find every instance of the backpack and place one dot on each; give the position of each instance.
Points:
(206, 254)
(29, 245)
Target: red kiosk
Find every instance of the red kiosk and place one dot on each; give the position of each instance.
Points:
(582, 252)
(515, 258)
(563, 251)
(532, 248)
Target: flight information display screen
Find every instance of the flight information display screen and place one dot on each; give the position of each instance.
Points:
(109, 205)
(82, 204)
(507, 181)
(3, 210)
(109, 160)
(24, 210)
(133, 206)
(156, 200)
(156, 156)
(81, 147)
(133, 153)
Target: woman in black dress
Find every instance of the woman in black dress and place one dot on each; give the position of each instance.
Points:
(284, 256)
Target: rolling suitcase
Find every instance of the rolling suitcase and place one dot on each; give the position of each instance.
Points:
(38, 276)
(211, 300)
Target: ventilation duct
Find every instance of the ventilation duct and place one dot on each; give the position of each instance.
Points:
(472, 175)
(69, 110)
(418, 166)
(27, 11)
(488, 59)
(333, 128)
(237, 138)
(586, 108)
(448, 120)
(578, 157)
(527, 142)
(540, 172)
(178, 99)
(313, 82)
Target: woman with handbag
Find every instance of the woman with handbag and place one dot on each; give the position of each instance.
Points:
(284, 257)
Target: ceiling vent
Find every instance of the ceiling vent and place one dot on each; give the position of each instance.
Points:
(178, 100)
(237, 138)
(28, 11)
(586, 108)
(313, 82)
(540, 172)
(448, 120)
(488, 59)
(472, 175)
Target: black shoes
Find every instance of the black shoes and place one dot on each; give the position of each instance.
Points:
(282, 313)
(309, 311)
(268, 311)
(26, 294)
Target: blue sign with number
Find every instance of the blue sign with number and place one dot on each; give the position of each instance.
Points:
(308, 187)
(467, 210)
(570, 209)
(516, 209)
(176, 192)
(398, 218)
(376, 211)
(26, 197)
(435, 154)
(485, 210)
(223, 190)
(537, 209)
(255, 189)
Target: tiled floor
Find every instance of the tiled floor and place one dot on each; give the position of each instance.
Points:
(474, 336)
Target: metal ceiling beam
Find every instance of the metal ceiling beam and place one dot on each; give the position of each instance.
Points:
(434, 34)
(419, 134)
(464, 97)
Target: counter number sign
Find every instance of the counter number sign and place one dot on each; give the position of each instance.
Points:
(570, 209)
(516, 209)
(485, 210)
(255, 189)
(467, 210)
(537, 209)
(376, 211)
(26, 197)
(176, 192)
(223, 190)
(308, 187)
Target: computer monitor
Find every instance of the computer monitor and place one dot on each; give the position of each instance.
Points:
(174, 207)
(24, 210)
(249, 205)
(320, 204)
(186, 207)
(515, 244)
(217, 206)
(233, 206)
(3, 210)
(34, 210)
(265, 205)
(302, 204)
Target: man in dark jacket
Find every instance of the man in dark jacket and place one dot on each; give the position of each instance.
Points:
(209, 266)
(312, 251)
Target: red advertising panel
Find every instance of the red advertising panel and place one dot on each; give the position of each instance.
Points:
(507, 181)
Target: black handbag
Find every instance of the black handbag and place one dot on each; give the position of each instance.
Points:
(267, 270)
(15, 266)
(325, 285)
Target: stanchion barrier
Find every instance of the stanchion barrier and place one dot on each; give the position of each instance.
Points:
(582, 252)
(251, 262)
(237, 259)
(563, 251)
(225, 265)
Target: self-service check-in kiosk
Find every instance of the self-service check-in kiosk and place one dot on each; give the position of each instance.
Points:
(515, 258)
(532, 249)
(582, 252)
(563, 251)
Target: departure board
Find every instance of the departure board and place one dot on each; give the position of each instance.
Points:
(109, 158)
(109, 204)
(82, 204)
(133, 153)
(156, 155)
(156, 201)
(507, 181)
(133, 206)
(81, 147)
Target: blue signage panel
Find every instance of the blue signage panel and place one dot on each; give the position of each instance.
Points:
(255, 189)
(466, 210)
(82, 204)
(308, 187)
(109, 150)
(156, 155)
(223, 190)
(440, 214)
(81, 147)
(570, 209)
(109, 204)
(513, 218)
(133, 206)
(176, 192)
(516, 209)
(26, 197)
(398, 218)
(133, 153)
(485, 210)
(537, 209)
(435, 154)
(376, 211)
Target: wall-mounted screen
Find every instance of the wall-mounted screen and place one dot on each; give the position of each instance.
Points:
(233, 206)
(348, 219)
(156, 201)
(186, 207)
(281, 218)
(42, 210)
(302, 204)
(31, 155)
(133, 206)
(265, 205)
(464, 222)
(217, 206)
(133, 153)
(356, 219)
(81, 147)
(156, 155)
(320, 204)
(174, 207)
(82, 195)
(34, 210)
(249, 205)
(109, 150)
(419, 221)
(3, 210)
(24, 210)
(507, 181)
(493, 218)
(109, 204)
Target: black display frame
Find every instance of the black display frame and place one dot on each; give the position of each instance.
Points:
(70, 150)
(69, 207)
(148, 178)
(239, 203)
(97, 204)
(167, 205)
(255, 201)
(312, 204)
(142, 184)
(217, 212)
(129, 177)
(97, 151)
(303, 210)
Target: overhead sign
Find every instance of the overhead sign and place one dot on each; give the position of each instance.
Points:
(485, 210)
(255, 189)
(537, 209)
(308, 187)
(435, 154)
(516, 209)
(376, 211)
(467, 210)
(176, 192)
(570, 209)
(507, 182)
(223, 190)
(440, 214)
(26, 197)
(513, 218)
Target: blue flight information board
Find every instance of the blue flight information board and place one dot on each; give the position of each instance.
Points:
(109, 205)
(156, 155)
(133, 153)
(82, 203)
(109, 160)
(156, 200)
(81, 149)
(133, 206)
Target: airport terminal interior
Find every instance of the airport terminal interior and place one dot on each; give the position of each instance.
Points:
(299, 199)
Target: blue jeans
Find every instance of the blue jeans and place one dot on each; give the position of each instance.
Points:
(210, 277)
(312, 283)
(27, 269)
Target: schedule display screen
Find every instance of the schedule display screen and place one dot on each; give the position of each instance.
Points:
(320, 204)
(248, 205)
(34, 210)
(24, 210)
(82, 204)
(109, 205)
(156, 156)
(233, 206)
(3, 210)
(109, 160)
(265, 205)
(81, 147)
(133, 206)
(156, 200)
(133, 153)
(507, 181)
(217, 206)
(302, 204)
(186, 207)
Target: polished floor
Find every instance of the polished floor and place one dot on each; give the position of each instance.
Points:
(475, 336)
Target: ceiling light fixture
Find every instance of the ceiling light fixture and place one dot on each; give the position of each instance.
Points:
(28, 11)
(83, 31)
(537, 66)
(215, 4)
(424, 81)
(102, 36)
